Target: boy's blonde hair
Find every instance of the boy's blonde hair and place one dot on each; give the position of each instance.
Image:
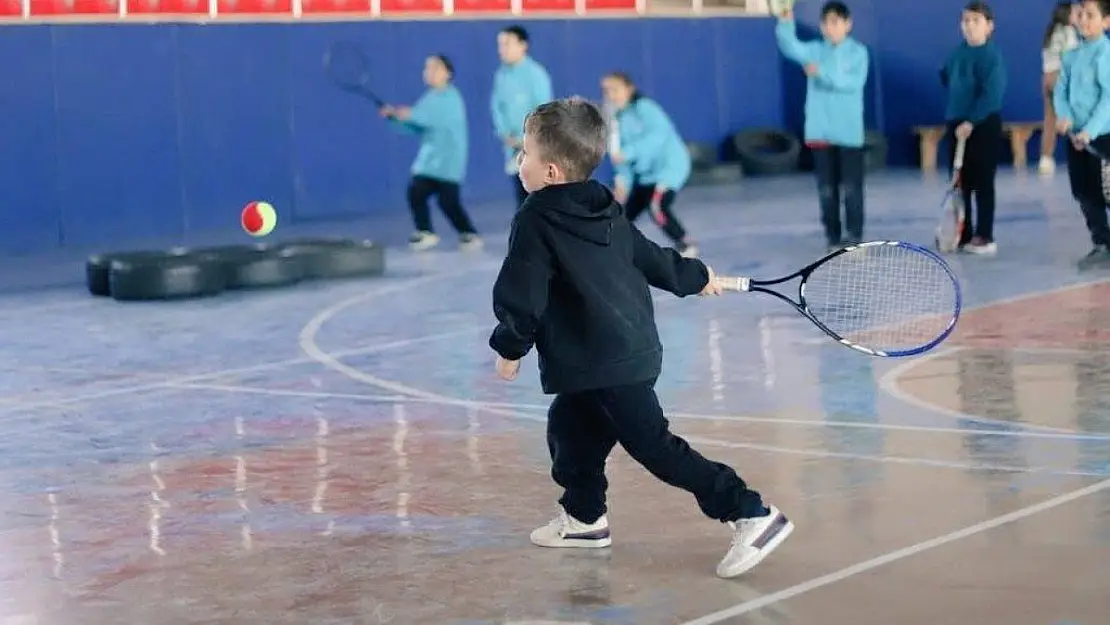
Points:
(571, 133)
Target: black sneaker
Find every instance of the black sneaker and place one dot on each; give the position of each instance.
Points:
(1099, 256)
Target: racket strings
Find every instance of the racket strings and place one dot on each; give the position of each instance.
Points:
(347, 65)
(887, 298)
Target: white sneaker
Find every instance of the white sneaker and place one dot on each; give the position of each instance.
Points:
(981, 247)
(1046, 166)
(423, 240)
(752, 541)
(470, 242)
(567, 531)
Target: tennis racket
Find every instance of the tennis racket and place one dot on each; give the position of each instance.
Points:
(882, 298)
(953, 218)
(349, 68)
(1105, 169)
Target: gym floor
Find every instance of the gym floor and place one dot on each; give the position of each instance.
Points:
(343, 453)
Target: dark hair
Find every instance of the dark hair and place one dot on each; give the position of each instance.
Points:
(1103, 6)
(570, 133)
(627, 80)
(838, 9)
(447, 64)
(517, 31)
(1061, 16)
(982, 8)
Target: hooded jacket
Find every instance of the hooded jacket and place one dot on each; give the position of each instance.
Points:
(575, 284)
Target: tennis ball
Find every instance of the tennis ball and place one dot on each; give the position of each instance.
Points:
(259, 219)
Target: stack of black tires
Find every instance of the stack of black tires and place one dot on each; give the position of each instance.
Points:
(181, 273)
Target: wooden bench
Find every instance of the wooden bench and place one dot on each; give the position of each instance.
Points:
(1019, 134)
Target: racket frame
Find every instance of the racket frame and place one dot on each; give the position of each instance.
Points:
(752, 285)
(952, 206)
(361, 86)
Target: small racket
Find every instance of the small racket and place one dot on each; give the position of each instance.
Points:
(882, 298)
(953, 218)
(349, 68)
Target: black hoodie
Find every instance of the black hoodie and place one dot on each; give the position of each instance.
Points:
(574, 283)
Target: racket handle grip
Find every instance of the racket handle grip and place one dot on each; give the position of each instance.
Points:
(734, 283)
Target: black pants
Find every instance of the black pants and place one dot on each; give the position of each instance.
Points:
(583, 427)
(1085, 176)
(521, 193)
(639, 200)
(422, 188)
(840, 169)
(977, 176)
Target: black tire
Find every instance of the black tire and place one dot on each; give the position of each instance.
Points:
(703, 156)
(764, 151)
(338, 258)
(723, 173)
(173, 276)
(256, 266)
(98, 267)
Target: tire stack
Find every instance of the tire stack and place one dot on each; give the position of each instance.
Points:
(185, 273)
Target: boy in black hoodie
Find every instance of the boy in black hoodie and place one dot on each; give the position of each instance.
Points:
(575, 284)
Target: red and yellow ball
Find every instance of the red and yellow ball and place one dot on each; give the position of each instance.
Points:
(258, 219)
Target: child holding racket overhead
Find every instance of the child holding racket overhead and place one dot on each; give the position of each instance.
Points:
(1082, 100)
(653, 163)
(439, 119)
(519, 85)
(975, 76)
(837, 68)
(575, 285)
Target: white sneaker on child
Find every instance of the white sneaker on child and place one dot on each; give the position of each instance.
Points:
(423, 240)
(567, 531)
(1046, 166)
(752, 541)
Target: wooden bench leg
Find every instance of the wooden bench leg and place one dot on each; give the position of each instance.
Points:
(930, 145)
(1019, 145)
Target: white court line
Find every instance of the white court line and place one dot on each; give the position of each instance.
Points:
(889, 381)
(885, 459)
(719, 418)
(307, 340)
(517, 411)
(894, 556)
(278, 364)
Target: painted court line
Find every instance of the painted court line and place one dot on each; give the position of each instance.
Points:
(719, 418)
(894, 556)
(889, 381)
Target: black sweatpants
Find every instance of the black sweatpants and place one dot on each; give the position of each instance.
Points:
(977, 176)
(1085, 176)
(521, 193)
(840, 168)
(422, 188)
(639, 200)
(583, 427)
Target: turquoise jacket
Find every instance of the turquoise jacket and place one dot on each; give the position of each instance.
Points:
(976, 81)
(834, 96)
(654, 152)
(1082, 93)
(517, 89)
(439, 119)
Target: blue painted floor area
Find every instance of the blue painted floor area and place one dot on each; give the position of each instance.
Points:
(342, 452)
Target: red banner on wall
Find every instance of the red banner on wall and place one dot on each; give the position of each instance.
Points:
(74, 7)
(168, 7)
(335, 6)
(483, 6)
(412, 6)
(11, 8)
(255, 7)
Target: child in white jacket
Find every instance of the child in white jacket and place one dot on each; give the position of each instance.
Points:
(1060, 37)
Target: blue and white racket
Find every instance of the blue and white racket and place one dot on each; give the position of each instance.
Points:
(882, 298)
